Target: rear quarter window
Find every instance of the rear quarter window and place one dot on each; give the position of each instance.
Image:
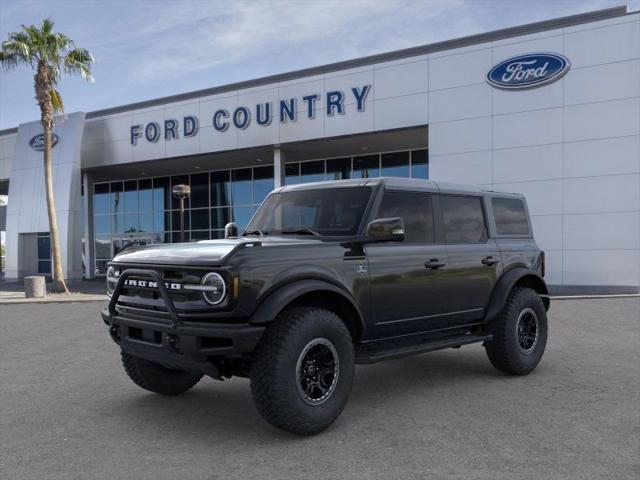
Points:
(510, 216)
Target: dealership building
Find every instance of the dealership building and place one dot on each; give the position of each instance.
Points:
(549, 109)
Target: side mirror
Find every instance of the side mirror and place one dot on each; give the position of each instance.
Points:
(231, 230)
(386, 230)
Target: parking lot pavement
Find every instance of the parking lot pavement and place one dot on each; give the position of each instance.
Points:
(68, 411)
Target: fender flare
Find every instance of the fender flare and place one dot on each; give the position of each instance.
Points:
(282, 296)
(506, 283)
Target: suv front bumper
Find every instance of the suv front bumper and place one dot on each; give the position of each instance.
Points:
(173, 342)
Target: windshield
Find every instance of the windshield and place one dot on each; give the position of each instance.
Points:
(325, 212)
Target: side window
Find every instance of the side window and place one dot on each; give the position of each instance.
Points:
(510, 216)
(416, 212)
(463, 219)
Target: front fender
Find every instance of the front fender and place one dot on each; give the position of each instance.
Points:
(282, 296)
(506, 283)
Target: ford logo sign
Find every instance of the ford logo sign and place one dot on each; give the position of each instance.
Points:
(37, 142)
(528, 71)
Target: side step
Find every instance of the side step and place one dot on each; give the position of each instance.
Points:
(372, 355)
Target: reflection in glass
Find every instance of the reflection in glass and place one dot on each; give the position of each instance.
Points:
(366, 167)
(312, 171)
(292, 173)
(161, 194)
(131, 223)
(220, 189)
(395, 164)
(196, 235)
(145, 195)
(146, 222)
(262, 183)
(220, 217)
(44, 247)
(242, 215)
(200, 219)
(200, 190)
(175, 220)
(161, 222)
(44, 267)
(241, 187)
(101, 198)
(131, 196)
(339, 168)
(102, 224)
(420, 164)
(116, 198)
(103, 247)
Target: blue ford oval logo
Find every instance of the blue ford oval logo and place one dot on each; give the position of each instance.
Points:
(37, 142)
(528, 71)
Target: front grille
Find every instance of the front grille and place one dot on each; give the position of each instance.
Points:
(147, 299)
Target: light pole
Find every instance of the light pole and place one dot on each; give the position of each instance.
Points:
(182, 192)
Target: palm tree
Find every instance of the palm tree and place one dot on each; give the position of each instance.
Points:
(50, 55)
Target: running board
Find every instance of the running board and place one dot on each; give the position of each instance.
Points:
(373, 355)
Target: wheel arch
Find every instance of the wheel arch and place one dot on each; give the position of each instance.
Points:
(313, 293)
(517, 277)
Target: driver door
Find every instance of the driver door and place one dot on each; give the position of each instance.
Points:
(408, 294)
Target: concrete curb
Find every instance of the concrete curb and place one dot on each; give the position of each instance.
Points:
(55, 299)
(586, 297)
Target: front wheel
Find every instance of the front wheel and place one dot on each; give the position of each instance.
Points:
(519, 333)
(302, 370)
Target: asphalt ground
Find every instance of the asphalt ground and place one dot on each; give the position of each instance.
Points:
(68, 411)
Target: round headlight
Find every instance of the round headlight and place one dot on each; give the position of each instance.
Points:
(215, 288)
(112, 279)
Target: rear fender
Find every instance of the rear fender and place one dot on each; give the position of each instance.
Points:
(513, 278)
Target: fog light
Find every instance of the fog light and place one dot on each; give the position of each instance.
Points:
(215, 288)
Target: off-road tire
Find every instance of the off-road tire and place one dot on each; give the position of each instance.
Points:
(504, 351)
(274, 374)
(156, 378)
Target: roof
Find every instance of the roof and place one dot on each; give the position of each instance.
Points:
(396, 183)
(371, 59)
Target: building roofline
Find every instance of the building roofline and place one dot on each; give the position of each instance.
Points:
(494, 35)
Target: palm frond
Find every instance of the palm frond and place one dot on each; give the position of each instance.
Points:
(56, 101)
(79, 61)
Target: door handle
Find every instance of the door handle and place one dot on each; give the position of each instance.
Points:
(489, 261)
(434, 264)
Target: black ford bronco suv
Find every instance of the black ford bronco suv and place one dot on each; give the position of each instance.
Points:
(328, 275)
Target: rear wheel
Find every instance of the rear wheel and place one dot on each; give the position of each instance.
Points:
(156, 378)
(302, 370)
(519, 333)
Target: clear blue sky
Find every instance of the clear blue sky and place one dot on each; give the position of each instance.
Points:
(149, 49)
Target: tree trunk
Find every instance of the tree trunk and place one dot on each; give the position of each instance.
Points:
(59, 284)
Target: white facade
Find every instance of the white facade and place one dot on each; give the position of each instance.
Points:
(572, 147)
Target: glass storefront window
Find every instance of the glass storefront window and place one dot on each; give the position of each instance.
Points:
(262, 183)
(292, 173)
(339, 168)
(220, 217)
(131, 203)
(101, 198)
(312, 171)
(161, 194)
(366, 167)
(200, 190)
(395, 164)
(242, 215)
(420, 164)
(145, 195)
(241, 191)
(200, 219)
(220, 188)
(117, 191)
(144, 210)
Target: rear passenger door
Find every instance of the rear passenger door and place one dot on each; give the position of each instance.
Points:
(473, 258)
(406, 295)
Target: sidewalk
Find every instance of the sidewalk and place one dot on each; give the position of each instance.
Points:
(81, 291)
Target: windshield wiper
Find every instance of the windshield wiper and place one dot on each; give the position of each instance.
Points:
(254, 232)
(301, 231)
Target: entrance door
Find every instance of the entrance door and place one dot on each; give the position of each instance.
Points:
(407, 292)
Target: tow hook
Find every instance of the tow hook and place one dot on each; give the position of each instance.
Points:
(172, 341)
(114, 331)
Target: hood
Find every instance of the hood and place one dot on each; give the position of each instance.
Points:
(206, 252)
